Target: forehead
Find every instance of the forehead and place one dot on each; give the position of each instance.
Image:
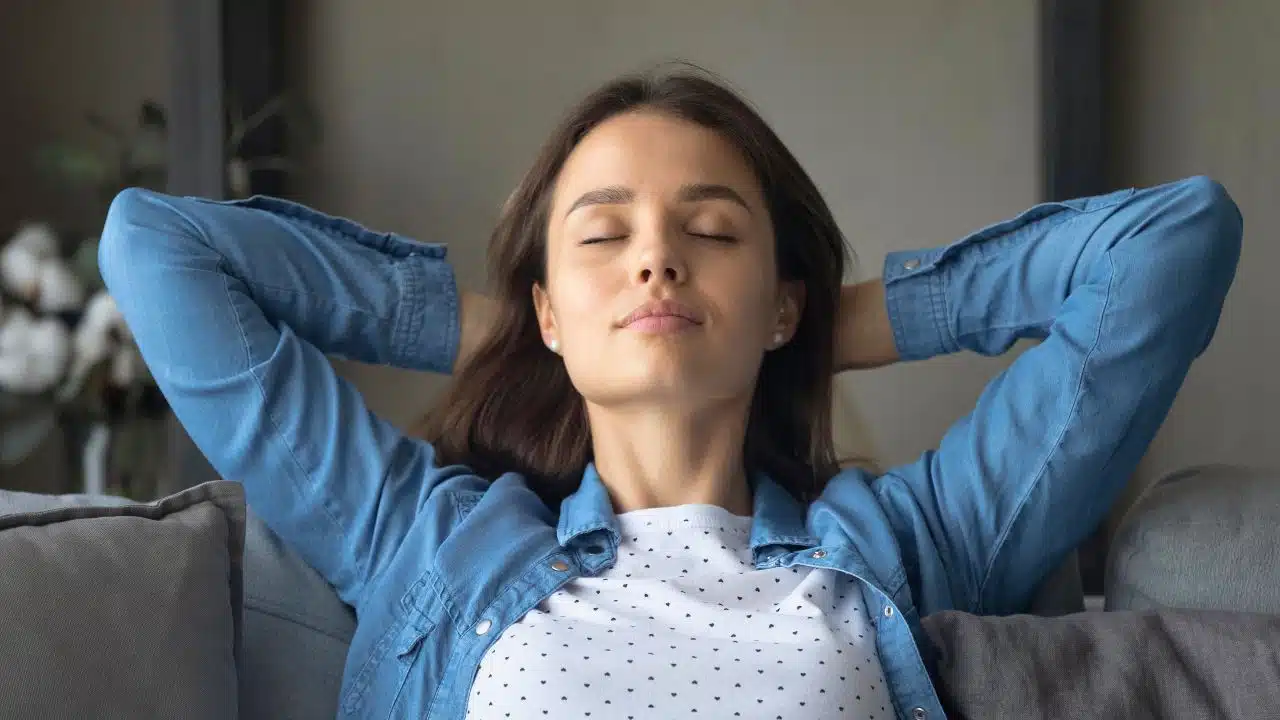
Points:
(653, 153)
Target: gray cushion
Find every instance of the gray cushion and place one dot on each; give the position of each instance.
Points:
(1188, 665)
(113, 609)
(296, 634)
(1205, 538)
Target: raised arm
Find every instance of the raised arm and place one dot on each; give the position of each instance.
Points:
(1125, 290)
(864, 336)
(234, 306)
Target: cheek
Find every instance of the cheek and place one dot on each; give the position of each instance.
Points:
(582, 300)
(750, 294)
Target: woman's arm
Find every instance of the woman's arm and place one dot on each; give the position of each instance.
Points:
(235, 306)
(864, 337)
(477, 313)
(1125, 290)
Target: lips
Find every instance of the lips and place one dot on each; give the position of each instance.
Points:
(661, 316)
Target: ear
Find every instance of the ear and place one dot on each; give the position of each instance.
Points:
(546, 317)
(790, 308)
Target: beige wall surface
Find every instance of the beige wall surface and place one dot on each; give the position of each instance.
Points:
(1195, 90)
(62, 59)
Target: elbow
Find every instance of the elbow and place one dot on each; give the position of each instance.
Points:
(1214, 227)
(140, 224)
(116, 254)
(1204, 232)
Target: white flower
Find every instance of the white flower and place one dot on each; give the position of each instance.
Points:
(126, 366)
(37, 238)
(101, 313)
(60, 289)
(14, 331)
(20, 271)
(44, 280)
(92, 342)
(33, 352)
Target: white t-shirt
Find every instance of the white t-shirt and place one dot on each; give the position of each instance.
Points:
(684, 626)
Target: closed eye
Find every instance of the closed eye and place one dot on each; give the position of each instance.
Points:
(705, 236)
(602, 239)
(716, 237)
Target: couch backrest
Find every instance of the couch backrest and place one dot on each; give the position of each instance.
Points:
(296, 633)
(296, 630)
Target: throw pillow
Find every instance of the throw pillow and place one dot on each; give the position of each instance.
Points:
(1192, 665)
(114, 609)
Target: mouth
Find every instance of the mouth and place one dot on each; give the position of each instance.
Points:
(661, 317)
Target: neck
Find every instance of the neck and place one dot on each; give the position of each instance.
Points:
(654, 457)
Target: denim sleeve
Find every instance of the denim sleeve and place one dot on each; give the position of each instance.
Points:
(234, 306)
(1124, 290)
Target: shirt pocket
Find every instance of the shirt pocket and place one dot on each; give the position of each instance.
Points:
(379, 685)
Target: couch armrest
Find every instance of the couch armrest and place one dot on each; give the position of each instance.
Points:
(1204, 538)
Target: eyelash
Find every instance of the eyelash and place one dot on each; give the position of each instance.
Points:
(717, 238)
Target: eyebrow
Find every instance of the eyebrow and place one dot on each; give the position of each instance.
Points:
(612, 195)
(618, 195)
(704, 191)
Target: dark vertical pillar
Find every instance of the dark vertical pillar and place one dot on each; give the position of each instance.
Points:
(1071, 87)
(253, 63)
(226, 56)
(195, 130)
(1073, 146)
(196, 113)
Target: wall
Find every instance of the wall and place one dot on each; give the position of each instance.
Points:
(61, 59)
(919, 123)
(1194, 90)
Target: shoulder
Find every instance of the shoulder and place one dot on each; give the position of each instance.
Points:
(456, 490)
(463, 497)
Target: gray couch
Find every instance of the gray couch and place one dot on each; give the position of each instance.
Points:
(1200, 539)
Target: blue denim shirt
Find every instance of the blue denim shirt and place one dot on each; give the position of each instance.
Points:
(236, 304)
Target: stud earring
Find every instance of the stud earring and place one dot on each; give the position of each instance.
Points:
(554, 346)
(778, 338)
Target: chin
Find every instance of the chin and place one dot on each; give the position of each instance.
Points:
(673, 385)
(657, 383)
(662, 372)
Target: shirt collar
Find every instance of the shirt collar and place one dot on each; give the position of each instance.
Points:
(777, 517)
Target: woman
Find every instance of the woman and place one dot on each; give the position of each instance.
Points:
(630, 506)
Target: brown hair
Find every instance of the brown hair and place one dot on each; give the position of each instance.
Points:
(512, 408)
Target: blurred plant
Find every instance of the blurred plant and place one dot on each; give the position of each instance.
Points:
(66, 356)
(139, 156)
(301, 132)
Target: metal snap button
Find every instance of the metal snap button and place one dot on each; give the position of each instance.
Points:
(818, 554)
(560, 566)
(483, 627)
(888, 611)
(911, 264)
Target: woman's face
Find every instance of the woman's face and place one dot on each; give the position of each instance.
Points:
(661, 217)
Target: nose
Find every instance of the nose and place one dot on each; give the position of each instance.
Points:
(661, 260)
